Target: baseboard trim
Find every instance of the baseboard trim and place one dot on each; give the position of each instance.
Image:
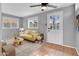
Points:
(68, 47)
(77, 51)
(73, 48)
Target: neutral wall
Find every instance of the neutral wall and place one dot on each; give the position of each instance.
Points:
(0, 24)
(69, 26)
(77, 41)
(9, 33)
(0, 27)
(77, 34)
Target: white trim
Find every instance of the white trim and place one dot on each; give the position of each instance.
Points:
(69, 47)
(32, 19)
(63, 45)
(72, 47)
(76, 50)
(60, 14)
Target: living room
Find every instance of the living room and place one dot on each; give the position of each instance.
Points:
(31, 28)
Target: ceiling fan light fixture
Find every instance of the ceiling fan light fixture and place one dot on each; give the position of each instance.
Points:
(43, 8)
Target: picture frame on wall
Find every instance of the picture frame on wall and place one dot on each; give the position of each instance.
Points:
(10, 22)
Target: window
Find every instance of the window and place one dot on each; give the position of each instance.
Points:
(33, 23)
(9, 22)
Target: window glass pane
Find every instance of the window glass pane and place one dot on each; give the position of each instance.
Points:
(33, 22)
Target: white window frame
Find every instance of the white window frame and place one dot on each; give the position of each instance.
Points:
(32, 19)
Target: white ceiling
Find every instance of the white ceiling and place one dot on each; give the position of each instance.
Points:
(23, 9)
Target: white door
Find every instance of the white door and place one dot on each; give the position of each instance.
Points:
(55, 27)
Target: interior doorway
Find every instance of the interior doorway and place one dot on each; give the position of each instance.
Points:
(55, 27)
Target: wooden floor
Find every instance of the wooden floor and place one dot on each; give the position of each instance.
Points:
(49, 49)
(46, 49)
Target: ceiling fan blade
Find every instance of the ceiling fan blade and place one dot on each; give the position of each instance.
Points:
(52, 6)
(35, 5)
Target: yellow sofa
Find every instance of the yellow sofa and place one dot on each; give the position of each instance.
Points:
(29, 35)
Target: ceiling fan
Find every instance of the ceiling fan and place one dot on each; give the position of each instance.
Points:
(44, 6)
